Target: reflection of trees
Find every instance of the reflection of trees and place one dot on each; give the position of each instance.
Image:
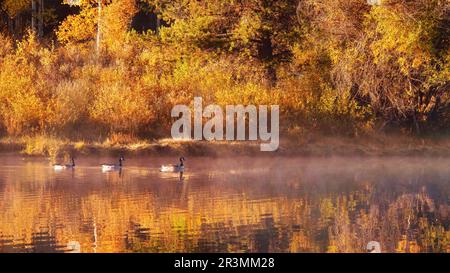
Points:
(410, 223)
(339, 213)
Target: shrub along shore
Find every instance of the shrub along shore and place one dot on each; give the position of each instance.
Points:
(308, 147)
(341, 68)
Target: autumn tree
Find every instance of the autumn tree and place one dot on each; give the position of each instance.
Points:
(13, 10)
(393, 57)
(263, 30)
(267, 30)
(406, 61)
(110, 19)
(38, 15)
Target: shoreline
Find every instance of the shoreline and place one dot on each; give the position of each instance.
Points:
(320, 147)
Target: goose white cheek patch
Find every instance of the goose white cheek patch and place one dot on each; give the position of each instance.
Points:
(256, 119)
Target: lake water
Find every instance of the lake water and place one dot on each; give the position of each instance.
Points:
(226, 205)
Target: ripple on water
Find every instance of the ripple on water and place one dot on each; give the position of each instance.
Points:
(236, 205)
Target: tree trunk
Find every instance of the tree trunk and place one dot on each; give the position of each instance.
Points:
(41, 18)
(99, 27)
(11, 26)
(18, 26)
(33, 15)
(266, 56)
(158, 23)
(298, 11)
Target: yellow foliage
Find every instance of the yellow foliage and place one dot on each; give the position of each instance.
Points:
(121, 109)
(325, 82)
(79, 28)
(14, 7)
(115, 22)
(24, 94)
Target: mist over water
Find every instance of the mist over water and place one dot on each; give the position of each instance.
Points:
(239, 204)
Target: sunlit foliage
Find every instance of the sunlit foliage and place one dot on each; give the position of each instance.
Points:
(14, 7)
(333, 66)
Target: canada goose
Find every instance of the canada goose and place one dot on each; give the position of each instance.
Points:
(73, 247)
(373, 247)
(113, 167)
(58, 167)
(174, 168)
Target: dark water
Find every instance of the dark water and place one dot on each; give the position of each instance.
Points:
(226, 205)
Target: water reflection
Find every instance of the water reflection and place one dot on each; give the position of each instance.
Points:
(235, 205)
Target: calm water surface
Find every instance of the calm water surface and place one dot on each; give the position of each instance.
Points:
(226, 205)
